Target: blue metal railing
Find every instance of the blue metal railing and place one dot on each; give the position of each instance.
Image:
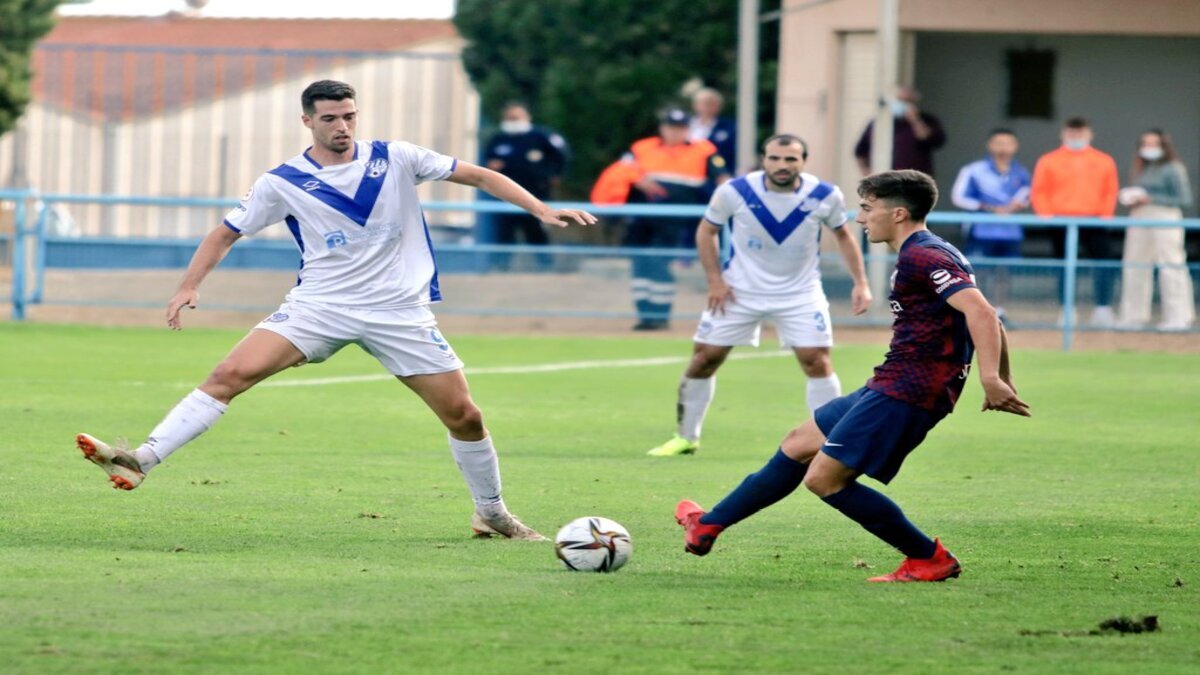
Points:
(23, 261)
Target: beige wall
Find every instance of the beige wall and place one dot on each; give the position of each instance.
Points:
(426, 101)
(810, 100)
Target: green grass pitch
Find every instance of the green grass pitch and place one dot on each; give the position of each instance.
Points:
(325, 528)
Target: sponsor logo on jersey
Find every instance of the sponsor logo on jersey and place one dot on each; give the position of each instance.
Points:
(376, 168)
(944, 280)
(895, 306)
(311, 185)
(754, 243)
(335, 239)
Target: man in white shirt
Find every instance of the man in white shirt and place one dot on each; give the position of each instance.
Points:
(775, 217)
(367, 276)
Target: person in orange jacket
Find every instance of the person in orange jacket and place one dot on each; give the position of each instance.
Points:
(663, 169)
(1079, 180)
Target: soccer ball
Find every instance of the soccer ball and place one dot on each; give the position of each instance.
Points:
(593, 544)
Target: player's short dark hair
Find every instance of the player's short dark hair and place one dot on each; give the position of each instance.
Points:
(787, 139)
(1001, 131)
(325, 90)
(1076, 122)
(914, 190)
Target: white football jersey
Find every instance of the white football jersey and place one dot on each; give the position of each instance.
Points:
(359, 226)
(775, 237)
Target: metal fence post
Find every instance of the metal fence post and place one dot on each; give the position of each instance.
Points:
(1070, 268)
(18, 281)
(39, 253)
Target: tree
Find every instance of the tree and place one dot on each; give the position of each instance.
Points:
(597, 70)
(22, 22)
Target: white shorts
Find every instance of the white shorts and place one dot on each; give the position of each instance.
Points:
(805, 325)
(406, 341)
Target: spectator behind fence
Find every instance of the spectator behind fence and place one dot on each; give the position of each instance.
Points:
(915, 135)
(708, 125)
(1079, 180)
(999, 185)
(533, 157)
(1160, 192)
(663, 169)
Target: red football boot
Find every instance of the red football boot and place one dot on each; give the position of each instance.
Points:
(698, 538)
(942, 566)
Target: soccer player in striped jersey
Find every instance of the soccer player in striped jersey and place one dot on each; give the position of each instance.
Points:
(367, 277)
(940, 321)
(775, 218)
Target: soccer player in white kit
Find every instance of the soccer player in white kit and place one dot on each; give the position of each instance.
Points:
(775, 217)
(367, 277)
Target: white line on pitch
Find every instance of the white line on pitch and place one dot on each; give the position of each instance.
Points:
(522, 370)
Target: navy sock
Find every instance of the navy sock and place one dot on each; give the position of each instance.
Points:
(778, 479)
(881, 517)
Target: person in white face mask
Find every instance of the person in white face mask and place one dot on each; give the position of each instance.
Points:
(533, 157)
(1079, 180)
(1160, 191)
(915, 135)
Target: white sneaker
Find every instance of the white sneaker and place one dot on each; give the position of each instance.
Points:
(505, 525)
(1103, 317)
(122, 468)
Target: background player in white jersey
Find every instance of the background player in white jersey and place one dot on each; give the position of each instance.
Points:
(775, 217)
(367, 277)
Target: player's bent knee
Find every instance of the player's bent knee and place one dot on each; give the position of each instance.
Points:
(228, 380)
(822, 484)
(465, 418)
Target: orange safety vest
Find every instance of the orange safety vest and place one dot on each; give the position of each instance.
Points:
(685, 164)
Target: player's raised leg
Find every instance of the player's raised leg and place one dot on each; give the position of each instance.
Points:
(449, 397)
(696, 390)
(780, 477)
(259, 355)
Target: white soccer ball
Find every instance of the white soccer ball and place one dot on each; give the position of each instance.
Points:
(593, 544)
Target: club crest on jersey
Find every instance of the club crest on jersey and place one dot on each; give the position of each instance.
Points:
(311, 185)
(335, 239)
(376, 168)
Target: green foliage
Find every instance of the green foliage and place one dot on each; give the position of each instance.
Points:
(22, 22)
(323, 529)
(597, 70)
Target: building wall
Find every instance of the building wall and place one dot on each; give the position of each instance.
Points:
(218, 147)
(812, 37)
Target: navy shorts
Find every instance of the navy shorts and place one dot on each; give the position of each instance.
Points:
(873, 433)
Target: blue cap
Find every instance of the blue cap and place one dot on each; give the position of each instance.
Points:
(675, 116)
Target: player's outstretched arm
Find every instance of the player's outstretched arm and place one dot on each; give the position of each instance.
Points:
(860, 295)
(503, 187)
(210, 252)
(991, 351)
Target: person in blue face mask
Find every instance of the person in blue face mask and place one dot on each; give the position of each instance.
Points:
(915, 135)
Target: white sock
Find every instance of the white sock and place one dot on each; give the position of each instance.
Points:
(822, 390)
(188, 419)
(481, 468)
(694, 397)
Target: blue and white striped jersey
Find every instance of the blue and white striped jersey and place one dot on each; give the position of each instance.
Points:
(359, 226)
(775, 237)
